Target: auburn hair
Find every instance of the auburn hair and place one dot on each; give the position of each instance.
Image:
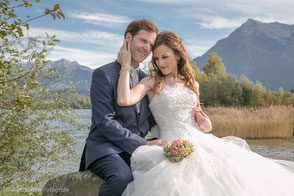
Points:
(185, 71)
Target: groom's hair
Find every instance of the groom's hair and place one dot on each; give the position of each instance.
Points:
(137, 25)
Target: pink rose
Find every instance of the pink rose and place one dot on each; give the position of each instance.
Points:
(187, 142)
(172, 160)
(177, 142)
(174, 150)
(184, 152)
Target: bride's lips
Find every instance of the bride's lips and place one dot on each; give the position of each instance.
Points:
(162, 68)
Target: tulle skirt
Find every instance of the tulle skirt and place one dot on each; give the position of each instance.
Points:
(217, 167)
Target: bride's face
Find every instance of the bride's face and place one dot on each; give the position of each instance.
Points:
(166, 60)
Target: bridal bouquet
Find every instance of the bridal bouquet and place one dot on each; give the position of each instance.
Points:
(178, 150)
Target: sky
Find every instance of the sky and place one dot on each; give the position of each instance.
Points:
(92, 32)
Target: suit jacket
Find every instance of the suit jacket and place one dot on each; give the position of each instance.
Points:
(113, 128)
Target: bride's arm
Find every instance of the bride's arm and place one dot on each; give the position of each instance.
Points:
(201, 118)
(125, 95)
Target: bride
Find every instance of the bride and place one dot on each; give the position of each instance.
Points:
(218, 166)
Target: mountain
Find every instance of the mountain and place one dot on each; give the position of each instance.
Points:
(73, 73)
(263, 52)
(78, 75)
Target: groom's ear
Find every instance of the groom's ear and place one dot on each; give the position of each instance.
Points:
(128, 37)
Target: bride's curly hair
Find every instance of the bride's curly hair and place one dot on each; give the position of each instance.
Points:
(185, 71)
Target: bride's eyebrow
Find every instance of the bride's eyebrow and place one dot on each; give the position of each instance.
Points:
(162, 55)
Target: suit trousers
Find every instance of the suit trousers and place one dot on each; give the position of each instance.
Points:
(115, 171)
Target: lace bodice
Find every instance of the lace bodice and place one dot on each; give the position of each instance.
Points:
(173, 112)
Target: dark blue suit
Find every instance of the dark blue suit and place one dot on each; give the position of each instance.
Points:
(114, 131)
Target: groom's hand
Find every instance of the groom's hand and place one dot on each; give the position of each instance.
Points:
(161, 143)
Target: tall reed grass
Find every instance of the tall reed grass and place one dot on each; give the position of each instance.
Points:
(252, 123)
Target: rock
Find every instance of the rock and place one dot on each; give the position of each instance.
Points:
(74, 184)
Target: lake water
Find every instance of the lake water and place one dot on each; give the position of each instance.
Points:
(272, 148)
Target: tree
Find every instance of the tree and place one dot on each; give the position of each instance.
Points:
(248, 93)
(220, 89)
(217, 88)
(214, 65)
(288, 98)
(208, 87)
(197, 72)
(29, 143)
(229, 91)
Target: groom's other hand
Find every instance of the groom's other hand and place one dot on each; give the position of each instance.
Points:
(161, 143)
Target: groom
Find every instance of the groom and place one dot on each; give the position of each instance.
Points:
(117, 131)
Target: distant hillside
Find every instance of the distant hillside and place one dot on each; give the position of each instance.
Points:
(72, 72)
(79, 75)
(261, 51)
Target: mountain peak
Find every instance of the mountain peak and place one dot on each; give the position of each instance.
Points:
(69, 65)
(63, 61)
(252, 21)
(255, 49)
(273, 30)
(255, 25)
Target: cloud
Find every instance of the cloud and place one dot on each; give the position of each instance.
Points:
(220, 22)
(85, 36)
(168, 1)
(196, 48)
(231, 13)
(100, 19)
(108, 41)
(92, 59)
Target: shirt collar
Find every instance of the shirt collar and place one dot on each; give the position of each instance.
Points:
(137, 69)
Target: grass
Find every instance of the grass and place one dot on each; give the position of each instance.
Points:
(252, 123)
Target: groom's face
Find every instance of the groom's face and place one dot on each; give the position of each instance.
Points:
(141, 45)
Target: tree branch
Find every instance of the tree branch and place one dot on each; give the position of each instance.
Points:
(31, 20)
(20, 5)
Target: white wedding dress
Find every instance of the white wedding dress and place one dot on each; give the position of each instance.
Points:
(217, 167)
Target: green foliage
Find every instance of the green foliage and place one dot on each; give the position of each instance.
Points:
(214, 65)
(36, 123)
(220, 89)
(198, 74)
(81, 102)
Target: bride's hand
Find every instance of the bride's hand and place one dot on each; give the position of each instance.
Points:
(124, 56)
(202, 119)
(160, 143)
